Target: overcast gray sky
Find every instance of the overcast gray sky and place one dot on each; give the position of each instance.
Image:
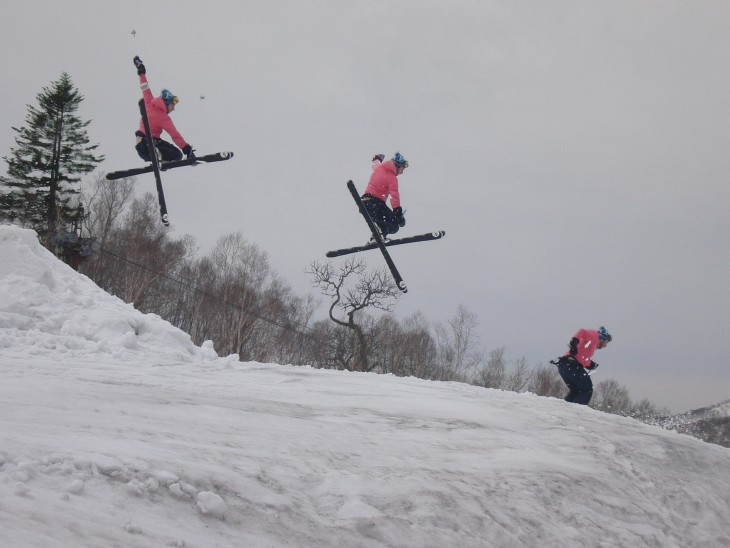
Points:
(576, 152)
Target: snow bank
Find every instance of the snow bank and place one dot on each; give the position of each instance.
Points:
(48, 309)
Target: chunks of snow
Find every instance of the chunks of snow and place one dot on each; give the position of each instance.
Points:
(211, 504)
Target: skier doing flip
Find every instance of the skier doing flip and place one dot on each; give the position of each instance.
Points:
(383, 184)
(158, 113)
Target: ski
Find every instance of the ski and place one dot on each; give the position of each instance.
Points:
(396, 241)
(164, 166)
(373, 228)
(155, 163)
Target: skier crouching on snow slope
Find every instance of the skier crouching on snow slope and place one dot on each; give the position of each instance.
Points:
(574, 366)
(158, 115)
(384, 183)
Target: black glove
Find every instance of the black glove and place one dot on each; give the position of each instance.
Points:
(399, 218)
(573, 346)
(378, 158)
(189, 152)
(592, 367)
(140, 66)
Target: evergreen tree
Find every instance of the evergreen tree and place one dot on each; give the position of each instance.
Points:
(44, 170)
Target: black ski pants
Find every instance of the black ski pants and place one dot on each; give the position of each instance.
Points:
(168, 151)
(381, 214)
(578, 380)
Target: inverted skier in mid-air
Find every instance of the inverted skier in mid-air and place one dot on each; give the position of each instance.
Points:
(158, 115)
(150, 146)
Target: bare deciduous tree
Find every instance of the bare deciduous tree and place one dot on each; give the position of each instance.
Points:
(646, 411)
(492, 374)
(418, 350)
(104, 203)
(239, 272)
(458, 355)
(138, 256)
(285, 341)
(371, 290)
(611, 397)
(518, 376)
(545, 381)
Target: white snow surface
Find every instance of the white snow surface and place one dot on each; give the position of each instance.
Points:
(117, 431)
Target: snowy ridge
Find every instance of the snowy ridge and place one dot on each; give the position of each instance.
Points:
(711, 424)
(117, 431)
(719, 411)
(48, 309)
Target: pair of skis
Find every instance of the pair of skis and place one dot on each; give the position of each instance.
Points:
(379, 243)
(157, 167)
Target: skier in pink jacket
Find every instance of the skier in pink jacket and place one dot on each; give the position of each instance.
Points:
(383, 184)
(158, 115)
(578, 361)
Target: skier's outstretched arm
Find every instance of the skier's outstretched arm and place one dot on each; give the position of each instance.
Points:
(144, 86)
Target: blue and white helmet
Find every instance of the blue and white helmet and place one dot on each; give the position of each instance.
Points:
(604, 335)
(169, 97)
(400, 161)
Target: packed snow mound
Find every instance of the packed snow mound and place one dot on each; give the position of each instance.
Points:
(47, 308)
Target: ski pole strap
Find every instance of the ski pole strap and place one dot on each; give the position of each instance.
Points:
(565, 360)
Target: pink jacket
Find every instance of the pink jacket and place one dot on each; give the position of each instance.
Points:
(157, 115)
(587, 344)
(384, 183)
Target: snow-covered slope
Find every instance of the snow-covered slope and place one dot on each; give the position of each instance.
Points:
(117, 431)
(48, 309)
